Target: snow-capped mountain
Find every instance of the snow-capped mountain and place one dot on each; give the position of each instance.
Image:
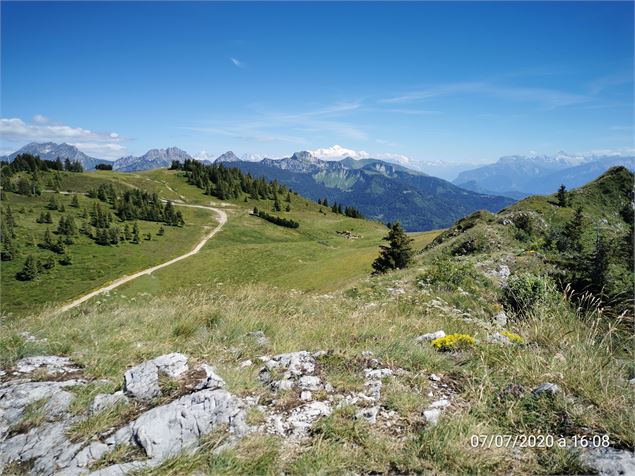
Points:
(51, 151)
(153, 159)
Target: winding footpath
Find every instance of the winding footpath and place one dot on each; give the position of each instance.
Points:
(222, 219)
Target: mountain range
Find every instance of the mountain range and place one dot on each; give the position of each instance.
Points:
(51, 151)
(379, 189)
(519, 176)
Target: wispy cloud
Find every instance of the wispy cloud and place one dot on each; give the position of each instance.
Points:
(289, 127)
(238, 63)
(545, 97)
(102, 144)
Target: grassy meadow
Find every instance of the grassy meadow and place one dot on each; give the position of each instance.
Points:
(310, 289)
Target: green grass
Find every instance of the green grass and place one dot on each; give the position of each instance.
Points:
(93, 265)
(247, 250)
(310, 289)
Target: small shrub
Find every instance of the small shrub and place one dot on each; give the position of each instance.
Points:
(450, 275)
(523, 291)
(453, 342)
(469, 246)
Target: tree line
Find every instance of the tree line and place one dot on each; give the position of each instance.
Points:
(276, 220)
(33, 163)
(229, 183)
(350, 212)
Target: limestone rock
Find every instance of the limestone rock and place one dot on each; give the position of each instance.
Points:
(168, 429)
(500, 319)
(142, 382)
(50, 364)
(261, 338)
(105, 400)
(369, 414)
(430, 336)
(432, 416)
(546, 388)
(58, 404)
(610, 461)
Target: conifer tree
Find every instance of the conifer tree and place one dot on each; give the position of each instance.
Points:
(74, 202)
(30, 270)
(135, 233)
(66, 260)
(398, 254)
(161, 231)
(572, 233)
(562, 196)
(127, 234)
(288, 208)
(52, 204)
(47, 240)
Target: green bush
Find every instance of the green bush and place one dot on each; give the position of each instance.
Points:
(450, 275)
(523, 291)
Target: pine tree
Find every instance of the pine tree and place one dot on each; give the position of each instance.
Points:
(66, 260)
(276, 206)
(325, 202)
(127, 234)
(74, 202)
(319, 201)
(288, 199)
(562, 196)
(135, 233)
(48, 263)
(52, 205)
(288, 208)
(9, 250)
(30, 270)
(161, 231)
(398, 254)
(47, 241)
(599, 264)
(572, 234)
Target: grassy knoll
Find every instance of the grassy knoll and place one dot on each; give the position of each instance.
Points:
(92, 265)
(247, 250)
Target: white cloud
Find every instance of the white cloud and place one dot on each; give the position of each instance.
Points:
(101, 145)
(337, 152)
(40, 119)
(237, 63)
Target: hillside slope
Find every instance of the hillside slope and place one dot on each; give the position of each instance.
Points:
(270, 375)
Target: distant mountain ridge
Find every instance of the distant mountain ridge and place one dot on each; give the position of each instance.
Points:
(51, 151)
(153, 159)
(520, 175)
(380, 190)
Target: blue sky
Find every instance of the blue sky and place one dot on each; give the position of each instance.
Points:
(453, 82)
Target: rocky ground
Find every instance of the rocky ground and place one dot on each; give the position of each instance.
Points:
(197, 405)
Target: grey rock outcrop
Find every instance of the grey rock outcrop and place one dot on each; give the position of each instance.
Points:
(610, 461)
(50, 364)
(142, 381)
